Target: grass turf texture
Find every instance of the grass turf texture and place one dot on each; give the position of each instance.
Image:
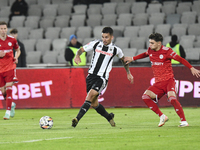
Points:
(136, 128)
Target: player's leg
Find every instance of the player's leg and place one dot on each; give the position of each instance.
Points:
(178, 108)
(10, 79)
(101, 110)
(150, 98)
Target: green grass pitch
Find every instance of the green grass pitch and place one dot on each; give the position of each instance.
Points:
(136, 129)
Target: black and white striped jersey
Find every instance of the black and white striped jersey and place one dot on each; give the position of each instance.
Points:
(102, 59)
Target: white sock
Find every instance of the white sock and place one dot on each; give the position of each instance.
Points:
(8, 112)
(13, 104)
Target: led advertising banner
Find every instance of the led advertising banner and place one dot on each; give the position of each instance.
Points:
(66, 88)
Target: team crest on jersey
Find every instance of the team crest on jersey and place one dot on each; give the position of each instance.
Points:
(161, 56)
(9, 44)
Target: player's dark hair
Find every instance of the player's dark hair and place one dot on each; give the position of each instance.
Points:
(156, 37)
(13, 31)
(107, 30)
(3, 23)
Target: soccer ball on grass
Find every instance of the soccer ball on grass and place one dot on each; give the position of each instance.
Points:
(46, 122)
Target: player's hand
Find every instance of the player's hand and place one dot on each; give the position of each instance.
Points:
(2, 53)
(15, 60)
(195, 72)
(77, 59)
(130, 78)
(127, 60)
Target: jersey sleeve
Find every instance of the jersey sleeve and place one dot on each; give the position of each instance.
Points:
(16, 45)
(89, 47)
(140, 56)
(119, 52)
(173, 55)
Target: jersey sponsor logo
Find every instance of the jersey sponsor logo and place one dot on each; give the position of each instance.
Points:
(7, 51)
(161, 56)
(9, 44)
(157, 63)
(102, 52)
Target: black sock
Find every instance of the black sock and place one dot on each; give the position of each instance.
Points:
(84, 108)
(101, 110)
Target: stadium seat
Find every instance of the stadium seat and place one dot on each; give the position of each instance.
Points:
(109, 19)
(29, 44)
(125, 19)
(50, 57)
(30, 2)
(6, 19)
(43, 45)
(49, 12)
(33, 57)
(117, 31)
(46, 22)
(17, 21)
(23, 32)
(109, 8)
(41, 3)
(187, 41)
(156, 18)
(154, 8)
(3, 4)
(67, 31)
(65, 9)
(35, 10)
(146, 30)
(138, 42)
(173, 18)
(163, 29)
(94, 9)
(129, 52)
(80, 9)
(77, 20)
(131, 31)
(179, 31)
(84, 32)
(189, 17)
(123, 8)
(138, 7)
(183, 7)
(52, 33)
(32, 22)
(36, 33)
(62, 21)
(166, 40)
(97, 32)
(169, 8)
(59, 44)
(122, 42)
(5, 11)
(194, 29)
(94, 20)
(192, 55)
(58, 1)
(140, 19)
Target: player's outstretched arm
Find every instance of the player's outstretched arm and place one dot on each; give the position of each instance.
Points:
(127, 60)
(195, 72)
(77, 58)
(126, 66)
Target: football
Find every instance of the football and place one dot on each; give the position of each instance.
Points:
(46, 122)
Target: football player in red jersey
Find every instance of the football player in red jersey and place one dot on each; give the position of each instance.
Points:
(160, 58)
(8, 68)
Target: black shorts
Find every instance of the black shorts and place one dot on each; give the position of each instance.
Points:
(96, 83)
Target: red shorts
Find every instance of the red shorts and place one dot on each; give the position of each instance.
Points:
(161, 88)
(8, 76)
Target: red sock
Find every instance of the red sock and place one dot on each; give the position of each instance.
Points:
(153, 106)
(8, 97)
(178, 108)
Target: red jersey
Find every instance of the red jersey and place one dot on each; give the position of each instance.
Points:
(161, 62)
(7, 62)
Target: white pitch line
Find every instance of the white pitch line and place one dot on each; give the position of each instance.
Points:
(37, 140)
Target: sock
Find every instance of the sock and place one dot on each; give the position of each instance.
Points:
(153, 106)
(8, 97)
(8, 112)
(178, 108)
(84, 108)
(101, 110)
